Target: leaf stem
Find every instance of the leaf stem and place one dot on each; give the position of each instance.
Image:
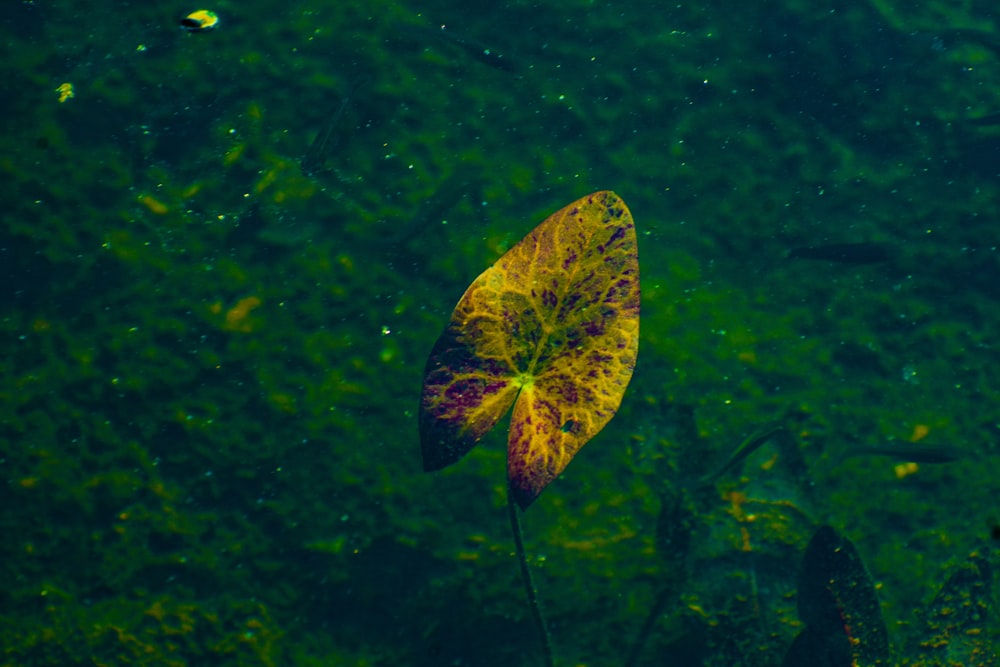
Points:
(529, 584)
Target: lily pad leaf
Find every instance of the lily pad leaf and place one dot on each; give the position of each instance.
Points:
(551, 328)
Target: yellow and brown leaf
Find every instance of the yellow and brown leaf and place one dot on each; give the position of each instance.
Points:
(554, 325)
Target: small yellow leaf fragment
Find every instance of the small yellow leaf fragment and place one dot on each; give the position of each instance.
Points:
(698, 610)
(200, 20)
(65, 91)
(233, 155)
(236, 317)
(905, 469)
(920, 432)
(154, 205)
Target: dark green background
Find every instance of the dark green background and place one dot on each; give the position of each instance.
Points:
(176, 490)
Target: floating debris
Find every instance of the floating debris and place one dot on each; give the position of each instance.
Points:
(200, 20)
(65, 91)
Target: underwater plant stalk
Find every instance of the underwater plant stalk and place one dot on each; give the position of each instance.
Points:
(529, 584)
(647, 627)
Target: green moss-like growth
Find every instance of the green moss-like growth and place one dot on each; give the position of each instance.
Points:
(211, 357)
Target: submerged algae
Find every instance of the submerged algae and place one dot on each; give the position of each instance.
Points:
(167, 444)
